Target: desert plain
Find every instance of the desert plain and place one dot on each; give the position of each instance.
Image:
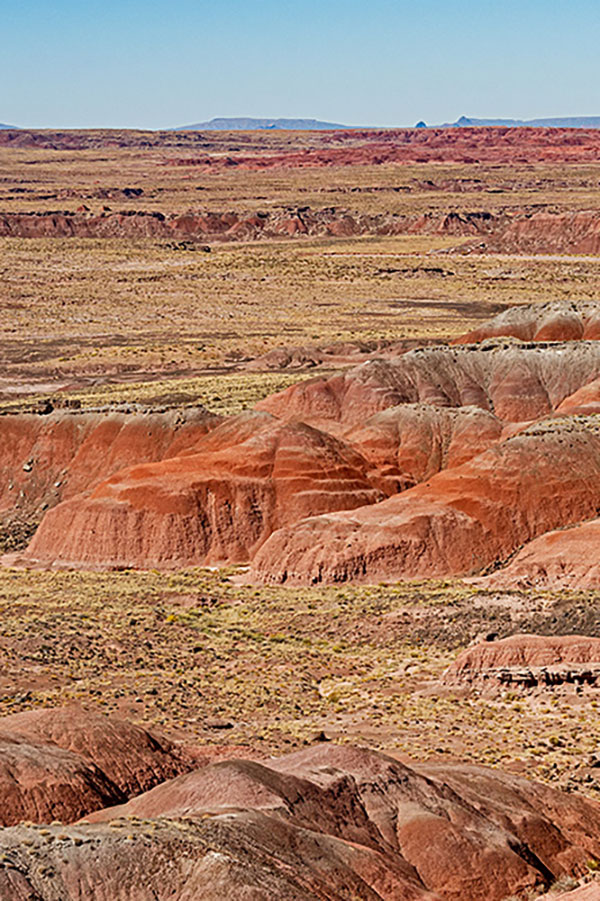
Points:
(300, 461)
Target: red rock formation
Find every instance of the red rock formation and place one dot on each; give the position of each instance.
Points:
(219, 501)
(467, 145)
(565, 558)
(49, 458)
(348, 146)
(458, 522)
(41, 782)
(327, 822)
(64, 763)
(408, 444)
(131, 758)
(462, 832)
(516, 382)
(196, 225)
(548, 233)
(562, 320)
(583, 402)
(528, 661)
(506, 231)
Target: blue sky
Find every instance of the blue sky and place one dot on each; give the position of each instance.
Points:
(376, 62)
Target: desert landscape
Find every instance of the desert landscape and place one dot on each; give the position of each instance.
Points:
(299, 514)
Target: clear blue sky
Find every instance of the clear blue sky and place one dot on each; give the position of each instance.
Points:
(150, 64)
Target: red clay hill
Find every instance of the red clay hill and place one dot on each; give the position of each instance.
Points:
(460, 521)
(562, 320)
(564, 558)
(299, 486)
(527, 661)
(326, 822)
(60, 764)
(220, 501)
(509, 230)
(52, 455)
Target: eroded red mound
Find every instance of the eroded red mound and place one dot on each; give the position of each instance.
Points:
(133, 759)
(49, 458)
(563, 320)
(40, 783)
(516, 382)
(221, 500)
(564, 558)
(408, 444)
(232, 226)
(458, 522)
(462, 832)
(530, 660)
(62, 763)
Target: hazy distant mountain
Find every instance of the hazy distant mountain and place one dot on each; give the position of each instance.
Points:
(566, 122)
(246, 124)
(7, 126)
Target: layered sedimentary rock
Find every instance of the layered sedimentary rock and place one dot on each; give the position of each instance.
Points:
(329, 821)
(527, 661)
(41, 783)
(132, 758)
(276, 149)
(458, 522)
(547, 233)
(49, 458)
(521, 231)
(231, 226)
(408, 444)
(219, 501)
(516, 382)
(563, 558)
(562, 320)
(583, 402)
(60, 764)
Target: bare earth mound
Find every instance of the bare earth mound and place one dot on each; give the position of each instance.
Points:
(528, 661)
(562, 320)
(221, 500)
(62, 763)
(329, 821)
(565, 558)
(460, 521)
(49, 458)
(515, 382)
(407, 444)
(41, 783)
(133, 759)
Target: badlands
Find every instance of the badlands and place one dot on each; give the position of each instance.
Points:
(300, 456)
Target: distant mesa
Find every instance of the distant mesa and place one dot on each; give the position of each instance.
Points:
(247, 124)
(557, 122)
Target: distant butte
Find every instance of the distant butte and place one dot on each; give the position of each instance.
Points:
(243, 123)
